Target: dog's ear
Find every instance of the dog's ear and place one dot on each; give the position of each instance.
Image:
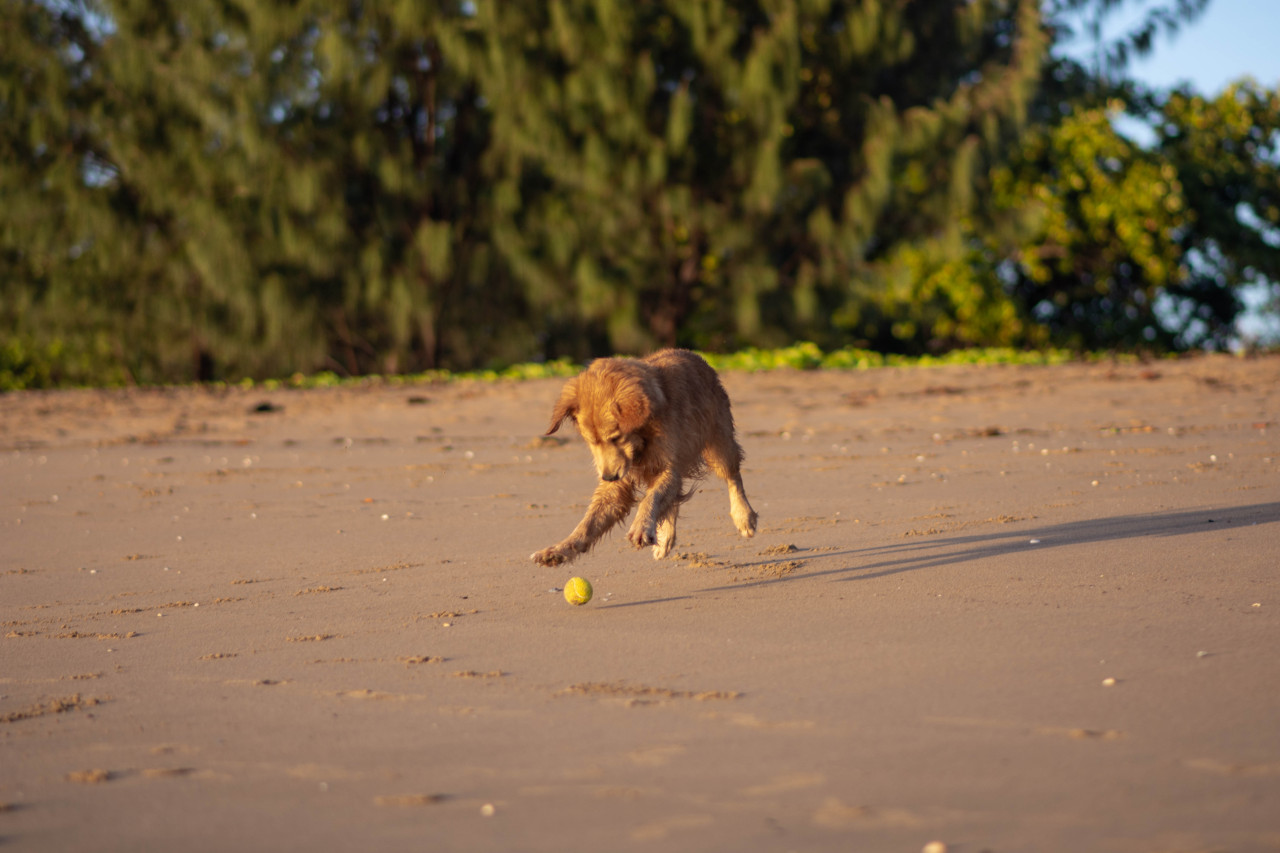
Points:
(636, 403)
(566, 406)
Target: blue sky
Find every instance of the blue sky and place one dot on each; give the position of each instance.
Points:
(1233, 38)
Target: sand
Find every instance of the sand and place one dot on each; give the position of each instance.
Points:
(1000, 608)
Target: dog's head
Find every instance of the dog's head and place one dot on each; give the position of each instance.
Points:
(613, 403)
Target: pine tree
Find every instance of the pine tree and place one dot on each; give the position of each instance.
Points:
(207, 190)
(141, 142)
(726, 173)
(55, 213)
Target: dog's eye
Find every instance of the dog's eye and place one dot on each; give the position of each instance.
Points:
(615, 439)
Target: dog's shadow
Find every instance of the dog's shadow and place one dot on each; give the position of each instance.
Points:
(667, 600)
(895, 559)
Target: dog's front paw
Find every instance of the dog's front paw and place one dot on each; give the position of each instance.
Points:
(642, 536)
(553, 556)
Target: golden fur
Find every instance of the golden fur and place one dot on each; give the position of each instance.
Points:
(651, 424)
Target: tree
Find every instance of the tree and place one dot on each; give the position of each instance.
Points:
(56, 219)
(718, 174)
(1100, 242)
(206, 189)
(1107, 243)
(140, 140)
(215, 189)
(1224, 151)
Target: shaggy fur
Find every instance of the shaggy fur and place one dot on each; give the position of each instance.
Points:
(651, 424)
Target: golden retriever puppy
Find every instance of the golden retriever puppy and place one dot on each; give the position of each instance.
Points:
(651, 424)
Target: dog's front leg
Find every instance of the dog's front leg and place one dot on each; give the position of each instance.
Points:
(661, 500)
(610, 503)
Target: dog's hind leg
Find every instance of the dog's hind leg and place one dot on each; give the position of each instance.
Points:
(666, 533)
(661, 500)
(724, 457)
(744, 517)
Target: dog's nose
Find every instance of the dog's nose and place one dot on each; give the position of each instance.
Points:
(609, 478)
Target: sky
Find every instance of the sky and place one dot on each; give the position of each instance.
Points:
(1233, 38)
(1230, 40)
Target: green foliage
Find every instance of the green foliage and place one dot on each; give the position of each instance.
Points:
(202, 190)
(20, 368)
(1100, 239)
(1121, 246)
(1179, 263)
(226, 191)
(1224, 151)
(808, 356)
(716, 174)
(801, 356)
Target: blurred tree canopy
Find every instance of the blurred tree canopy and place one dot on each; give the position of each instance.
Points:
(201, 189)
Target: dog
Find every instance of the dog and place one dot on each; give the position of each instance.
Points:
(651, 424)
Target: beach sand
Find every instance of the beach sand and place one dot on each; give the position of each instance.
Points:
(1003, 608)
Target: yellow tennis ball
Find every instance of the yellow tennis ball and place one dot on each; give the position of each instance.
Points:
(577, 591)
